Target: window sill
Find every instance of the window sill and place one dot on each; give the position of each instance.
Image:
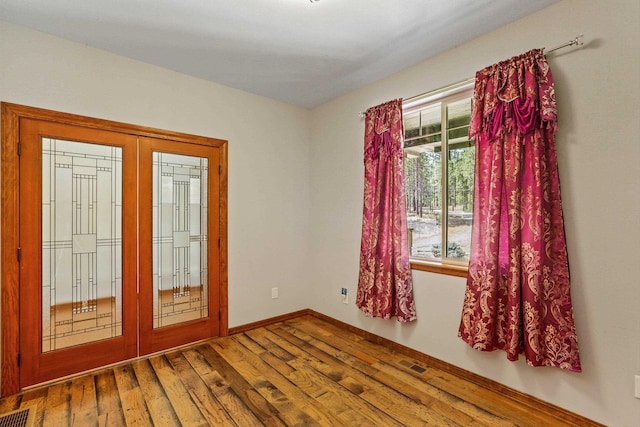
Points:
(440, 268)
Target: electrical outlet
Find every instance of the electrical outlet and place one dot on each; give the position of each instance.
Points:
(637, 387)
(345, 296)
(274, 293)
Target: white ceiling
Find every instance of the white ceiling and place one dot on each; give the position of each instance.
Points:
(296, 51)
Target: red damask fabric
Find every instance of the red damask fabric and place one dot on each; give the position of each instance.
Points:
(518, 291)
(385, 288)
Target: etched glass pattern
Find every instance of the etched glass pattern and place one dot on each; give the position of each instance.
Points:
(180, 276)
(81, 243)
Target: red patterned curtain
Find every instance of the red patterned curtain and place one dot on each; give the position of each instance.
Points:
(384, 286)
(518, 297)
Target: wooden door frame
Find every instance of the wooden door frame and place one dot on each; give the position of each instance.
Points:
(9, 212)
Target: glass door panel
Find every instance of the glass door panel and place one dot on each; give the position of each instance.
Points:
(180, 239)
(81, 243)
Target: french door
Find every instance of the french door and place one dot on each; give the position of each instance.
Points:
(178, 243)
(119, 248)
(78, 245)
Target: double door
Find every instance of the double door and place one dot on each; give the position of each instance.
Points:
(118, 247)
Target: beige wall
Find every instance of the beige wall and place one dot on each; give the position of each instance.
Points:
(295, 185)
(268, 150)
(598, 92)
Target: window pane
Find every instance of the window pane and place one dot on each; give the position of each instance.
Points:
(460, 174)
(439, 189)
(423, 174)
(412, 125)
(431, 120)
(458, 117)
(423, 127)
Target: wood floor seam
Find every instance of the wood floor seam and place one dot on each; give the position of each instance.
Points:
(304, 370)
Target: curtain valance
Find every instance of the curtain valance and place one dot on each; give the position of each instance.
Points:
(514, 95)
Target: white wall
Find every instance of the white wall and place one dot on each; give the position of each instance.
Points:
(268, 150)
(598, 92)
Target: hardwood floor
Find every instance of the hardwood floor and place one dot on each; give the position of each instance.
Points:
(302, 371)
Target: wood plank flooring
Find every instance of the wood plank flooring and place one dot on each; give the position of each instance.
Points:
(303, 371)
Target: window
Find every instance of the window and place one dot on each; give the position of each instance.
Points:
(439, 188)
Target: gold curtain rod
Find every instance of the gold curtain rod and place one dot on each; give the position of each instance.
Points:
(577, 41)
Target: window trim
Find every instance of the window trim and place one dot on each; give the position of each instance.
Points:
(459, 270)
(451, 93)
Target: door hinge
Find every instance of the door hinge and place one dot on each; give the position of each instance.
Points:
(219, 315)
(219, 169)
(19, 360)
(19, 253)
(19, 148)
(218, 243)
